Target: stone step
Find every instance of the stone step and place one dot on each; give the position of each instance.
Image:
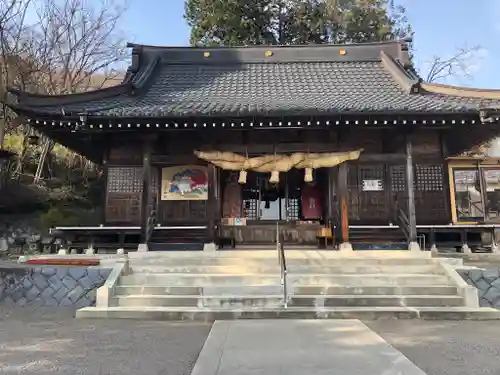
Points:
(363, 313)
(273, 260)
(300, 269)
(277, 290)
(184, 279)
(239, 302)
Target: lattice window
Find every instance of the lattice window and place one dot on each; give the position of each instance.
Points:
(373, 172)
(124, 179)
(250, 208)
(398, 178)
(429, 177)
(293, 209)
(129, 180)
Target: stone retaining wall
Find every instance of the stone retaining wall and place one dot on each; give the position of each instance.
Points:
(487, 282)
(51, 286)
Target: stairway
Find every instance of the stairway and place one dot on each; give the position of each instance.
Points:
(377, 238)
(321, 284)
(185, 239)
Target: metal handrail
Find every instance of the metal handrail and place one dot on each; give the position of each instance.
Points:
(282, 261)
(150, 225)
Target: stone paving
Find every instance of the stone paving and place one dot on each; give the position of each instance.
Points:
(51, 342)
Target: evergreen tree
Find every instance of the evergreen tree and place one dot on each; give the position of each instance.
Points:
(246, 22)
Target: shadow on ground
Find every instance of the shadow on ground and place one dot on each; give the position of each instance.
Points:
(445, 347)
(46, 341)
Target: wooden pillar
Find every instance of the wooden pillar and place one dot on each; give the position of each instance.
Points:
(212, 203)
(410, 178)
(342, 201)
(146, 188)
(105, 197)
(329, 195)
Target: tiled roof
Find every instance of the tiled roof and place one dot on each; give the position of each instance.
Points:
(183, 82)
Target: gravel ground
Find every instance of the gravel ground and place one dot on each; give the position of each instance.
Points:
(445, 347)
(52, 342)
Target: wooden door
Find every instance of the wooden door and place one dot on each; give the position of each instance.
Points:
(368, 198)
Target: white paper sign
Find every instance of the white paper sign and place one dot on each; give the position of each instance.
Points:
(372, 185)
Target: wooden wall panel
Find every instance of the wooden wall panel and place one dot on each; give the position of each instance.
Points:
(123, 198)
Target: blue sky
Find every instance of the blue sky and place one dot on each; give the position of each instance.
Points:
(441, 27)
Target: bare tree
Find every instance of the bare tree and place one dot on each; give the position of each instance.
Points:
(461, 65)
(71, 46)
(12, 20)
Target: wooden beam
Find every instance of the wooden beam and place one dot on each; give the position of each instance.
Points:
(342, 201)
(410, 178)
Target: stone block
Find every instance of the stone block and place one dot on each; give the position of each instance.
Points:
(62, 252)
(92, 296)
(55, 282)
(75, 294)
(83, 302)
(40, 281)
(69, 282)
(484, 302)
(50, 302)
(120, 251)
(48, 271)
(496, 283)
(93, 274)
(47, 293)
(61, 272)
(86, 282)
(482, 284)
(475, 275)
(27, 284)
(60, 294)
(32, 294)
(22, 302)
(65, 302)
(104, 273)
(77, 272)
(16, 293)
(491, 275)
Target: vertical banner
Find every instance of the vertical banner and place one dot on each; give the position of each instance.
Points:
(311, 202)
(184, 182)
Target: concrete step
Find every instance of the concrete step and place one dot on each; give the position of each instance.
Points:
(274, 301)
(300, 269)
(277, 290)
(363, 313)
(180, 260)
(183, 279)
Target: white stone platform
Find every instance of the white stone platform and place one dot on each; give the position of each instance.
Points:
(299, 347)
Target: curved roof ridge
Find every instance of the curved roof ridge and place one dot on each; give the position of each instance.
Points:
(272, 53)
(36, 100)
(407, 82)
(461, 91)
(144, 74)
(261, 46)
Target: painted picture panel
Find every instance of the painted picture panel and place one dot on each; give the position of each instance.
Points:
(184, 182)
